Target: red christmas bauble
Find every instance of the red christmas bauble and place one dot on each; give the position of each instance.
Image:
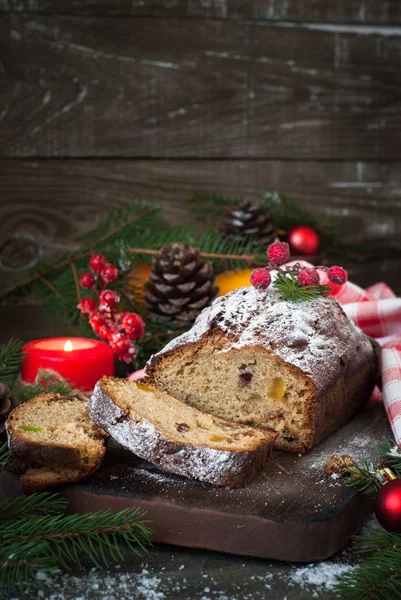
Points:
(303, 239)
(388, 506)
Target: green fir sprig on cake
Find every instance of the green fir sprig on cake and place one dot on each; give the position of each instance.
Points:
(294, 283)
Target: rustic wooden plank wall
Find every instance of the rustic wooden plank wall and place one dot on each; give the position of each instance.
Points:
(101, 101)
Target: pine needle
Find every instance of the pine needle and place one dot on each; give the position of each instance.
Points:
(362, 478)
(58, 540)
(26, 392)
(291, 290)
(379, 576)
(10, 362)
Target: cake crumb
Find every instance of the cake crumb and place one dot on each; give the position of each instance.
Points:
(338, 464)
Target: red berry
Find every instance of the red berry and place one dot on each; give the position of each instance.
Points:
(87, 281)
(133, 325)
(124, 348)
(97, 262)
(103, 331)
(97, 320)
(108, 299)
(109, 273)
(278, 253)
(260, 278)
(128, 356)
(337, 275)
(308, 277)
(87, 305)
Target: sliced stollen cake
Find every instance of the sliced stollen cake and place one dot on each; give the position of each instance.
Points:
(301, 368)
(57, 441)
(178, 438)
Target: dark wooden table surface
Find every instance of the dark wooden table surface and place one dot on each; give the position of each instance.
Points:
(170, 573)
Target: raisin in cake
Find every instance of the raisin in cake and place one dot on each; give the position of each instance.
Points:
(178, 438)
(301, 368)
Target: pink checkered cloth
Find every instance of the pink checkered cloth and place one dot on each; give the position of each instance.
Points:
(377, 311)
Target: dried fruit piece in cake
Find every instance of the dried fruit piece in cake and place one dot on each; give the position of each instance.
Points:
(178, 438)
(54, 436)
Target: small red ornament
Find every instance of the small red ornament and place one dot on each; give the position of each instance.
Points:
(109, 273)
(260, 278)
(97, 262)
(108, 299)
(303, 239)
(337, 275)
(278, 253)
(87, 305)
(308, 277)
(133, 325)
(87, 281)
(388, 506)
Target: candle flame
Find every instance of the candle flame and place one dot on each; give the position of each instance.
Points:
(68, 346)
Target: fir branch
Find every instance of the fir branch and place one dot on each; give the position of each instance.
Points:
(46, 541)
(362, 478)
(48, 284)
(26, 392)
(210, 203)
(390, 455)
(286, 213)
(69, 538)
(36, 504)
(41, 269)
(288, 288)
(76, 281)
(10, 362)
(379, 576)
(245, 257)
(22, 564)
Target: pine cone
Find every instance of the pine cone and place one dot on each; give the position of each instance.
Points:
(180, 284)
(250, 219)
(7, 404)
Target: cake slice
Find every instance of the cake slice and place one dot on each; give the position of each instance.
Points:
(301, 368)
(55, 438)
(177, 437)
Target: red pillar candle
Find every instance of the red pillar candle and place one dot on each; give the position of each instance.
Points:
(80, 360)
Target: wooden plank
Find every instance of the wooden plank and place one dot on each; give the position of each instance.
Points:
(292, 500)
(54, 203)
(386, 12)
(103, 87)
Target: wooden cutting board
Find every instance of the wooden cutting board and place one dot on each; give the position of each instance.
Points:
(292, 511)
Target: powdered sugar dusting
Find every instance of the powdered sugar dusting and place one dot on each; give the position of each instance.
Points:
(315, 336)
(322, 575)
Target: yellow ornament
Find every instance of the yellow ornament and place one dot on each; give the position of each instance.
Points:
(232, 280)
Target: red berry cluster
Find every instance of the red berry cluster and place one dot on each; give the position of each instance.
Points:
(119, 329)
(278, 253)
